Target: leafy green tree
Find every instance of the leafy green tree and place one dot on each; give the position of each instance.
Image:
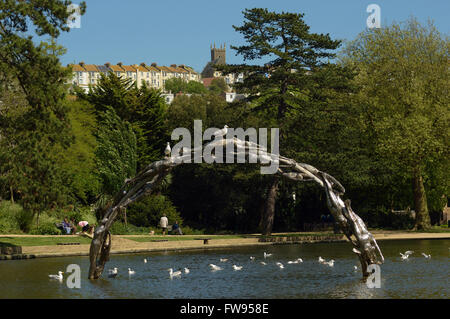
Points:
(218, 86)
(143, 108)
(175, 85)
(79, 160)
(403, 73)
(195, 87)
(298, 73)
(35, 71)
(116, 156)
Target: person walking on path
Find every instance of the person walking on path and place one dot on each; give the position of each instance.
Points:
(164, 222)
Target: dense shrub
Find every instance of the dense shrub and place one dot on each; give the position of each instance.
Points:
(119, 228)
(381, 217)
(148, 211)
(47, 228)
(9, 222)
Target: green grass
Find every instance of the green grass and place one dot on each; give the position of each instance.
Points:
(42, 241)
(434, 229)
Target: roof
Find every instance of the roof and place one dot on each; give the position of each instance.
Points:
(129, 68)
(116, 68)
(140, 68)
(172, 69)
(164, 68)
(76, 68)
(103, 68)
(152, 68)
(91, 67)
(181, 70)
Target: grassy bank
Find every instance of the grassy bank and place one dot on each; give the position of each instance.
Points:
(42, 241)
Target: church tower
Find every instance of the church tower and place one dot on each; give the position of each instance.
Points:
(218, 55)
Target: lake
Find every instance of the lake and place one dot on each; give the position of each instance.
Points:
(416, 277)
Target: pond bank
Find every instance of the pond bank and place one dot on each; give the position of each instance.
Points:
(129, 244)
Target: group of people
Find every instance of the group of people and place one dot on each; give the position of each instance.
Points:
(164, 224)
(70, 227)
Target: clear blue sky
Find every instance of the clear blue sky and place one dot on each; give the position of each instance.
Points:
(180, 32)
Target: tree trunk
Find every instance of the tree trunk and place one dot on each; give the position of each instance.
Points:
(269, 209)
(420, 202)
(12, 194)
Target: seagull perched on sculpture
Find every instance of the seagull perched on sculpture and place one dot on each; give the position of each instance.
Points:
(168, 150)
(221, 132)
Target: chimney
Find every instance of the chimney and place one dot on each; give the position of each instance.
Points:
(81, 63)
(108, 64)
(143, 64)
(154, 64)
(173, 65)
(119, 63)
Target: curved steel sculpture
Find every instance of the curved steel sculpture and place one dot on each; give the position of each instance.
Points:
(364, 244)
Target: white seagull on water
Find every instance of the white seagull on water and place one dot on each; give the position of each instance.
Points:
(131, 271)
(252, 258)
(321, 260)
(406, 254)
(113, 272)
(59, 276)
(330, 263)
(263, 263)
(298, 260)
(174, 274)
(223, 260)
(145, 260)
(266, 255)
(237, 267)
(426, 256)
(214, 267)
(186, 270)
(280, 265)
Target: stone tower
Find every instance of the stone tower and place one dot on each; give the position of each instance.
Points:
(218, 55)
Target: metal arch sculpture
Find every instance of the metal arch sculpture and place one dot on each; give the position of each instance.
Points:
(364, 244)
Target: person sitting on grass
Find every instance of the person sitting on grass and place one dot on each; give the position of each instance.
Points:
(73, 225)
(176, 229)
(84, 226)
(66, 226)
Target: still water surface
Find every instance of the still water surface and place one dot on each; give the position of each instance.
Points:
(415, 278)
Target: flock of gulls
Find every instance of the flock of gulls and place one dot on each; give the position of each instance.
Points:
(112, 273)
